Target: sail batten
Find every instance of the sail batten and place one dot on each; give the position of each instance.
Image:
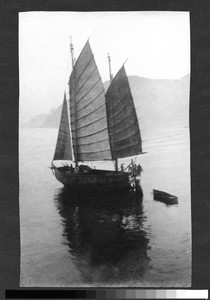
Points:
(121, 142)
(88, 111)
(92, 112)
(128, 105)
(123, 127)
(85, 107)
(118, 132)
(95, 156)
(93, 143)
(63, 146)
(92, 152)
(85, 132)
(91, 134)
(122, 153)
(123, 119)
(118, 101)
(90, 124)
(92, 87)
(77, 79)
(85, 82)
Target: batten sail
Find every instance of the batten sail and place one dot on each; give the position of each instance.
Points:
(123, 127)
(88, 110)
(63, 146)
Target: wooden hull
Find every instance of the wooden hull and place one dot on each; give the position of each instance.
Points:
(97, 179)
(164, 197)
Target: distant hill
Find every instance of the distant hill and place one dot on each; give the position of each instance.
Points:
(53, 118)
(159, 103)
(48, 120)
(36, 121)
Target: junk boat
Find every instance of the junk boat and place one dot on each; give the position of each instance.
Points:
(101, 126)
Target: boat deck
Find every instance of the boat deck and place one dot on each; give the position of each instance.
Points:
(93, 179)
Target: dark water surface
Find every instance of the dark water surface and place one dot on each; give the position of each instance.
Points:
(82, 239)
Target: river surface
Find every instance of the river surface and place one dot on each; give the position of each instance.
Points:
(89, 240)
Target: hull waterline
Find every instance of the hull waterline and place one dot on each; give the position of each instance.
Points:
(95, 180)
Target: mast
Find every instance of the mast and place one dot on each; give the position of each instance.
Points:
(110, 71)
(111, 77)
(74, 100)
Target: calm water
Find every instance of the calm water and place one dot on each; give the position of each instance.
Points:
(99, 240)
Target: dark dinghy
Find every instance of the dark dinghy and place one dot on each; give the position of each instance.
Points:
(164, 197)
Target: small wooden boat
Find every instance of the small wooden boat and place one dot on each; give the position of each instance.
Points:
(164, 197)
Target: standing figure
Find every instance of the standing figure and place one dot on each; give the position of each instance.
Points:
(134, 169)
(122, 168)
(139, 169)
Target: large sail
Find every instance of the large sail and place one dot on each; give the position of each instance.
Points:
(63, 147)
(88, 110)
(124, 133)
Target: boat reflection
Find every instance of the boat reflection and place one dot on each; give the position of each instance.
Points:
(105, 235)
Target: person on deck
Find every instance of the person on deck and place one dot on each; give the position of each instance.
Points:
(139, 169)
(122, 168)
(71, 168)
(134, 169)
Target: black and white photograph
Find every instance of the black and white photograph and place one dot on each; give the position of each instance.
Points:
(104, 149)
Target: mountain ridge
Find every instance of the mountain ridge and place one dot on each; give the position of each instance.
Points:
(159, 102)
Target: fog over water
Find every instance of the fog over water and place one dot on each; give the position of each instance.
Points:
(97, 240)
(156, 44)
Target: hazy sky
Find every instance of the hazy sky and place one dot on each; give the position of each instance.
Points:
(156, 44)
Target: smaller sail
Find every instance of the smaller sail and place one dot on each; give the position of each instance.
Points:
(123, 127)
(63, 147)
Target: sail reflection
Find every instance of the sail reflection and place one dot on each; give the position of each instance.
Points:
(105, 235)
